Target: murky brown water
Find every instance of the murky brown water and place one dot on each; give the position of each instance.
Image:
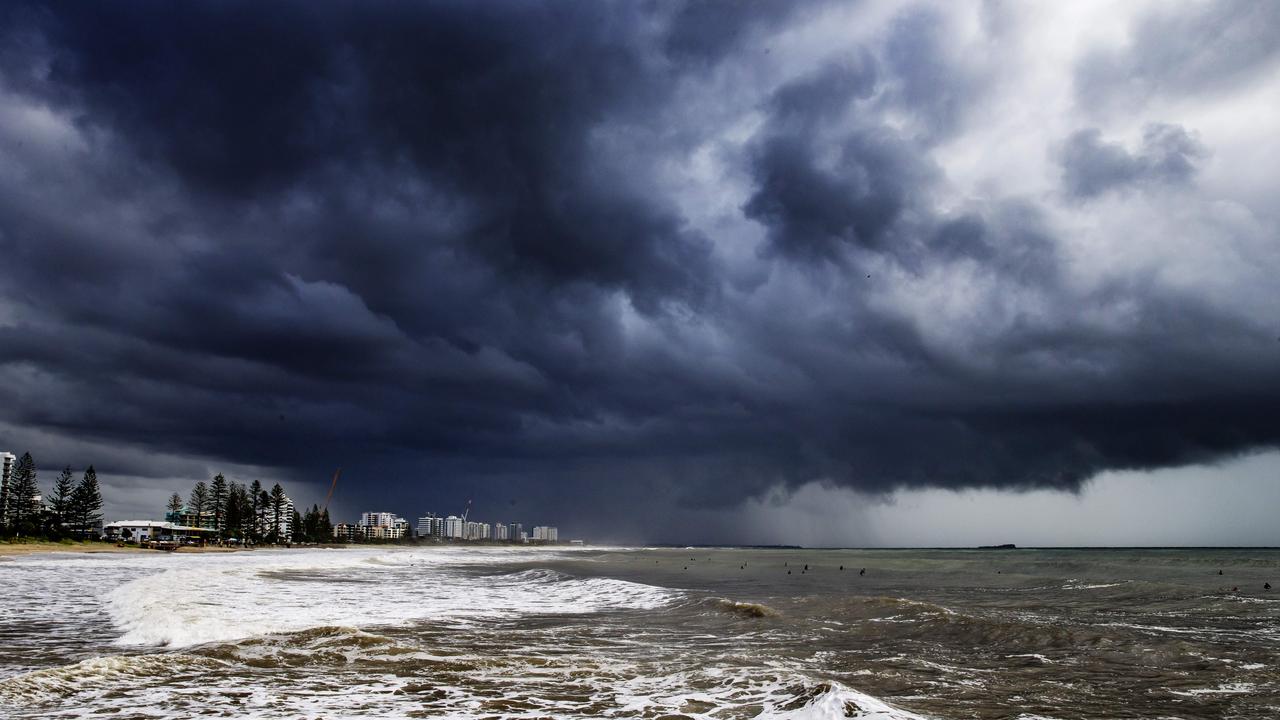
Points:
(724, 633)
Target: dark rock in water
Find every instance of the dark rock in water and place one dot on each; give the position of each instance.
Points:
(1006, 546)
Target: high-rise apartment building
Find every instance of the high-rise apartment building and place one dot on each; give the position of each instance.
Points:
(454, 527)
(430, 526)
(379, 519)
(7, 459)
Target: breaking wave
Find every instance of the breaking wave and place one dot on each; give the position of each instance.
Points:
(186, 606)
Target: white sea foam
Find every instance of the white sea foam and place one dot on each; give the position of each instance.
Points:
(174, 684)
(236, 596)
(841, 702)
(1074, 584)
(1225, 689)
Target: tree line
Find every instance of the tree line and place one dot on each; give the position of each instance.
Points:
(73, 508)
(249, 513)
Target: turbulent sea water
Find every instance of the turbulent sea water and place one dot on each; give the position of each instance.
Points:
(645, 633)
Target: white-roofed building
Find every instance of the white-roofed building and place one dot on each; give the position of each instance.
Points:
(140, 530)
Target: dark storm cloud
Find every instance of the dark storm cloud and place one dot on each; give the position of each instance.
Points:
(439, 244)
(816, 188)
(1092, 166)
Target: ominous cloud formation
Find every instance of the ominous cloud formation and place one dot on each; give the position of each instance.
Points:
(1091, 167)
(610, 257)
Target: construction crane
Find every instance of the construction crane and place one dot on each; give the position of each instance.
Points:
(465, 513)
(332, 486)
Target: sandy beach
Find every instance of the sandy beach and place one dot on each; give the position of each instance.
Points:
(30, 548)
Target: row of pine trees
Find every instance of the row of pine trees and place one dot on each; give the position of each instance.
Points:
(251, 513)
(73, 509)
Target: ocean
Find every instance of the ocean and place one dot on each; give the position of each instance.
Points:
(488, 632)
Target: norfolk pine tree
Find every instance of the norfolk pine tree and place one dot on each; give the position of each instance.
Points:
(22, 510)
(60, 500)
(86, 502)
(218, 498)
(199, 502)
(255, 510)
(175, 507)
(277, 511)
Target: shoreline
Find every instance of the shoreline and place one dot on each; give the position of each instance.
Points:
(20, 549)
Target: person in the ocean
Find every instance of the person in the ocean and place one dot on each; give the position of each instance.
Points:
(1266, 586)
(863, 571)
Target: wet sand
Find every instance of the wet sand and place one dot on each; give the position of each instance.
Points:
(32, 548)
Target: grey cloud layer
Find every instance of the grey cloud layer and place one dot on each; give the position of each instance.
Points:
(1091, 166)
(442, 243)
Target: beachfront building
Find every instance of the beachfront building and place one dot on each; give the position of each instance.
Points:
(500, 532)
(7, 459)
(187, 516)
(430, 526)
(546, 533)
(142, 530)
(376, 519)
(346, 532)
(388, 532)
(454, 527)
(514, 531)
(382, 526)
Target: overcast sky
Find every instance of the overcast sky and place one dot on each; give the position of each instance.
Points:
(846, 273)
